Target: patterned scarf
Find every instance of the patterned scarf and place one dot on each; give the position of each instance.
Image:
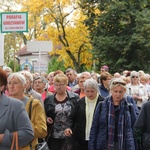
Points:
(111, 124)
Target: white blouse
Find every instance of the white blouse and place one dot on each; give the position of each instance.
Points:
(138, 90)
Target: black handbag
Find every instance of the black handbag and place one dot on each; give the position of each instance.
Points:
(42, 146)
(146, 140)
(68, 144)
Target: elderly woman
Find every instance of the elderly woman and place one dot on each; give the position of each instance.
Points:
(39, 85)
(29, 90)
(16, 87)
(82, 115)
(112, 127)
(58, 107)
(83, 77)
(137, 90)
(13, 118)
(52, 87)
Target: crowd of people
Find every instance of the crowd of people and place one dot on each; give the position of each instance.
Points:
(75, 111)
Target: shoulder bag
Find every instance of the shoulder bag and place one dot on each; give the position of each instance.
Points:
(146, 140)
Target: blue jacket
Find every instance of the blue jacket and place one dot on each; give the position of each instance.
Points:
(103, 91)
(98, 134)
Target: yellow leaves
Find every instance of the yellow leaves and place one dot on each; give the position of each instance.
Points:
(97, 11)
(77, 38)
(61, 22)
(32, 6)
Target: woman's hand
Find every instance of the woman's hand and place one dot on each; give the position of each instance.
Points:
(68, 132)
(137, 98)
(49, 120)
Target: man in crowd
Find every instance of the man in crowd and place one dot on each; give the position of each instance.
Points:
(72, 77)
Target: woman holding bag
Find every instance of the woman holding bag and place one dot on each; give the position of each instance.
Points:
(16, 88)
(13, 118)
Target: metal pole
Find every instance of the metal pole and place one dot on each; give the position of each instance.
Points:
(14, 33)
(39, 59)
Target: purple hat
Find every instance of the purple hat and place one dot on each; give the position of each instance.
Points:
(105, 66)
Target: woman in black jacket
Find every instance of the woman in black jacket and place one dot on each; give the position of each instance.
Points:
(58, 107)
(80, 120)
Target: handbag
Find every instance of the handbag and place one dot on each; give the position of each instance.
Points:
(15, 141)
(146, 140)
(68, 144)
(42, 146)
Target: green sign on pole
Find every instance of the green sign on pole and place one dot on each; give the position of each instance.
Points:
(14, 22)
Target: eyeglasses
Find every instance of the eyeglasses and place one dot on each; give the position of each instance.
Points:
(38, 82)
(116, 82)
(60, 85)
(134, 76)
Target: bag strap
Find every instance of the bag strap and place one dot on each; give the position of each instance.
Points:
(30, 111)
(49, 133)
(15, 141)
(17, 147)
(30, 108)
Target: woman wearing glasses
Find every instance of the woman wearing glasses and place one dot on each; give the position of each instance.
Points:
(137, 90)
(58, 107)
(39, 85)
(112, 127)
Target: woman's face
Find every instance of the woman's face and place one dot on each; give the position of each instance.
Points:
(60, 87)
(117, 94)
(143, 81)
(81, 82)
(15, 87)
(50, 79)
(38, 85)
(91, 93)
(28, 83)
(106, 82)
(134, 79)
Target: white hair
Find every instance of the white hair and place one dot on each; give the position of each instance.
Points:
(91, 83)
(19, 76)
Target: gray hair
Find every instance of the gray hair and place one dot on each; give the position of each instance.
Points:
(85, 75)
(7, 68)
(19, 76)
(70, 69)
(27, 74)
(42, 78)
(92, 84)
(117, 81)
